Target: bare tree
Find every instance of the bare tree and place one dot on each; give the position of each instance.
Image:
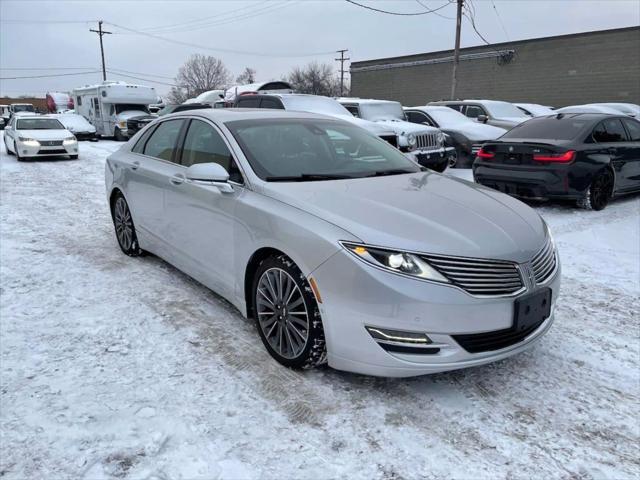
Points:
(199, 73)
(315, 78)
(247, 76)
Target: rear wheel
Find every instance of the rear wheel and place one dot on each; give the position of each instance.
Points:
(125, 229)
(287, 314)
(599, 192)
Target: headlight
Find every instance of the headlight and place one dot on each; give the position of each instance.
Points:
(403, 263)
(29, 142)
(122, 124)
(69, 141)
(411, 140)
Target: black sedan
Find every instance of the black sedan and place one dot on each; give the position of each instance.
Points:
(587, 157)
(138, 123)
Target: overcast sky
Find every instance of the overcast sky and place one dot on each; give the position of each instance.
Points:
(33, 35)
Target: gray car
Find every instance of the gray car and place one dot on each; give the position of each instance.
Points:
(341, 248)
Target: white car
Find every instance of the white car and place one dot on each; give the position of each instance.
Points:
(78, 125)
(465, 135)
(630, 109)
(4, 115)
(588, 109)
(29, 137)
(493, 112)
(424, 144)
(534, 109)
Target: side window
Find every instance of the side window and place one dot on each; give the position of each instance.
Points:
(203, 144)
(271, 103)
(96, 105)
(139, 146)
(610, 130)
(633, 128)
(79, 101)
(248, 102)
(472, 111)
(418, 117)
(455, 106)
(162, 142)
(353, 110)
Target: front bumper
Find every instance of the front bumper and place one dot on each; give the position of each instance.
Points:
(46, 150)
(356, 295)
(436, 159)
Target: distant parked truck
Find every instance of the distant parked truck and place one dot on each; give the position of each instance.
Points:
(109, 105)
(21, 109)
(59, 102)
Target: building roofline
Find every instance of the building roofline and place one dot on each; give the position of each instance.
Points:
(362, 63)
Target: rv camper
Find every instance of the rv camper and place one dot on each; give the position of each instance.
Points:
(108, 105)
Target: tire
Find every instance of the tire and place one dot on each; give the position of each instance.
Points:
(124, 227)
(599, 192)
(287, 314)
(119, 136)
(73, 157)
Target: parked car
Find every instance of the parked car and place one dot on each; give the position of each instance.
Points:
(338, 246)
(78, 125)
(630, 109)
(426, 145)
(588, 109)
(21, 109)
(134, 124)
(586, 157)
(108, 106)
(493, 112)
(29, 137)
(236, 91)
(465, 135)
(534, 109)
(210, 97)
(314, 104)
(4, 116)
(59, 102)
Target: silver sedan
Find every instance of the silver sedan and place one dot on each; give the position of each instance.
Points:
(342, 249)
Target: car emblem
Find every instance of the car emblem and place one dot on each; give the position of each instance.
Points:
(528, 275)
(510, 149)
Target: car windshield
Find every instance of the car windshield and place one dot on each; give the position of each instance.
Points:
(167, 110)
(315, 104)
(448, 117)
(381, 111)
(547, 128)
(39, 124)
(123, 107)
(310, 149)
(504, 109)
(23, 108)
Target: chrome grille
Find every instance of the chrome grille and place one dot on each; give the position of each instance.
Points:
(478, 276)
(544, 263)
(50, 143)
(427, 140)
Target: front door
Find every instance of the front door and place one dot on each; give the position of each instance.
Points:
(201, 221)
(631, 169)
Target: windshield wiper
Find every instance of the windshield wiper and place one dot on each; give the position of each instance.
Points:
(395, 171)
(308, 176)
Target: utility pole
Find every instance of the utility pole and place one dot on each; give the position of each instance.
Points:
(342, 59)
(456, 52)
(100, 33)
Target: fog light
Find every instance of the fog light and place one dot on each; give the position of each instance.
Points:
(384, 334)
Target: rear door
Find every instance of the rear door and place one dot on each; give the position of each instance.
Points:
(612, 140)
(151, 171)
(631, 167)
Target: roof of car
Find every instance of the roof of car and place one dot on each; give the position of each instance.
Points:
(231, 114)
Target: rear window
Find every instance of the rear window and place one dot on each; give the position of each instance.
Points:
(549, 128)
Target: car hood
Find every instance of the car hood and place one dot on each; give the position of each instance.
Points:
(45, 134)
(404, 128)
(127, 114)
(373, 127)
(423, 212)
(477, 131)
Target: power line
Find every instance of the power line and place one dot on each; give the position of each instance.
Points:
(143, 79)
(435, 13)
(50, 76)
(118, 70)
(398, 13)
(45, 68)
(500, 20)
(470, 15)
(22, 21)
(223, 50)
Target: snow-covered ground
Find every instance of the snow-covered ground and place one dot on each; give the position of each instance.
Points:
(113, 367)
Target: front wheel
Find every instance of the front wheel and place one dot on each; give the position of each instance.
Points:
(125, 229)
(6, 147)
(287, 314)
(599, 192)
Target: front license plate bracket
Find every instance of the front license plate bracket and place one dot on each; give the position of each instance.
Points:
(531, 310)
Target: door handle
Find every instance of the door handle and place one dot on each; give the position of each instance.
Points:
(135, 165)
(177, 179)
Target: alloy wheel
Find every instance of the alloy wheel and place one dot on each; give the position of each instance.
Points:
(601, 191)
(282, 313)
(123, 223)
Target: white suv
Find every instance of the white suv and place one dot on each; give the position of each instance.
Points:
(425, 144)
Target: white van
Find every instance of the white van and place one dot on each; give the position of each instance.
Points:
(108, 105)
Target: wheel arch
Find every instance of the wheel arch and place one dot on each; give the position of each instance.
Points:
(252, 266)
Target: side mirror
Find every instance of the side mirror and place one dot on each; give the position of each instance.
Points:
(212, 174)
(482, 118)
